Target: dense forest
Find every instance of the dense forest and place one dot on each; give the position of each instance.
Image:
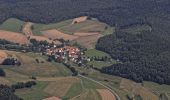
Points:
(144, 56)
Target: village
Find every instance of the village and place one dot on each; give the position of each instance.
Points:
(66, 54)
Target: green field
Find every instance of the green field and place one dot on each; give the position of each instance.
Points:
(12, 24)
(101, 64)
(37, 28)
(96, 53)
(75, 89)
(137, 29)
(35, 93)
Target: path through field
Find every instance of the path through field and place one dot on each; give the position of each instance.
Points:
(27, 29)
(114, 93)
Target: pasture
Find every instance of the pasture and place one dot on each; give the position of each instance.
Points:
(12, 24)
(95, 53)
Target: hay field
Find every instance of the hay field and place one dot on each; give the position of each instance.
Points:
(13, 37)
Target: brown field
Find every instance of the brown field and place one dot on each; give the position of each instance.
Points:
(85, 33)
(59, 86)
(106, 94)
(88, 41)
(13, 37)
(27, 29)
(79, 19)
(42, 38)
(55, 34)
(137, 89)
(3, 56)
(88, 94)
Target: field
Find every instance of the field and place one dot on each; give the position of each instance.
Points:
(31, 67)
(86, 26)
(137, 89)
(55, 34)
(38, 28)
(95, 53)
(100, 64)
(12, 24)
(13, 37)
(137, 29)
(106, 94)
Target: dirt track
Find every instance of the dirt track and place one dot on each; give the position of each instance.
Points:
(27, 29)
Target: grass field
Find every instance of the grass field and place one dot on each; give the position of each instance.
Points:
(30, 67)
(95, 53)
(12, 24)
(137, 29)
(37, 28)
(100, 64)
(157, 88)
(35, 93)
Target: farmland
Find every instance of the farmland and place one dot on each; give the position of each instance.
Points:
(12, 24)
(13, 37)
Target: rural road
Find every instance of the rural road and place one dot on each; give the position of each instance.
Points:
(117, 96)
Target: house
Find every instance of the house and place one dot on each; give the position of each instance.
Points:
(52, 98)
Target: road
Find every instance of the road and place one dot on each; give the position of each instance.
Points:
(117, 96)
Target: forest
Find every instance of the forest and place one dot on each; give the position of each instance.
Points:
(143, 56)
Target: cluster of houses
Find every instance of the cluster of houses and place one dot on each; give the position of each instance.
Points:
(66, 53)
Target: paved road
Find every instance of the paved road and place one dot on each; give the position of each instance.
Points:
(117, 96)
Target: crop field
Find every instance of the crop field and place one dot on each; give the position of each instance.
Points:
(60, 87)
(12, 24)
(106, 94)
(13, 37)
(55, 34)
